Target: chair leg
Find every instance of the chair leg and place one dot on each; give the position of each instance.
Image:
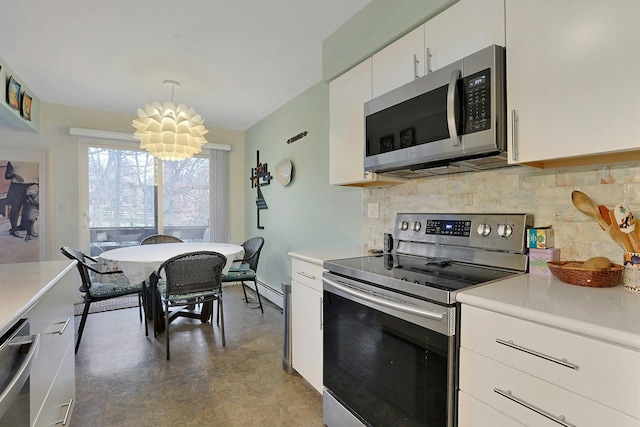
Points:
(83, 320)
(246, 299)
(255, 285)
(166, 329)
(221, 312)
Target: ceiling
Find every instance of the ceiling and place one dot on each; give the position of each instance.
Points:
(237, 61)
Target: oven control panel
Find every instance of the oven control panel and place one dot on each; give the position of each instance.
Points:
(448, 227)
(503, 232)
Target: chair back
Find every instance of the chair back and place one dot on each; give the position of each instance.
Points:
(82, 266)
(252, 249)
(193, 272)
(160, 238)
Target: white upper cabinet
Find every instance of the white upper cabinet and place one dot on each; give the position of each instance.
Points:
(347, 95)
(399, 63)
(571, 80)
(465, 28)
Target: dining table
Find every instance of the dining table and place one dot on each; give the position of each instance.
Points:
(140, 263)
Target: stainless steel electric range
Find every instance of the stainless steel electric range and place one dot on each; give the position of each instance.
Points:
(391, 321)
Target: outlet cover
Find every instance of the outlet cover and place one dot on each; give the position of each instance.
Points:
(373, 210)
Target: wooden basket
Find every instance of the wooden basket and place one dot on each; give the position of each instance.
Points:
(592, 277)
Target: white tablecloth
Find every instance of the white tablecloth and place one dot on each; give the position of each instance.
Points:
(138, 262)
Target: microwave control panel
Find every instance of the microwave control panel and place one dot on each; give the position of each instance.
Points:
(477, 102)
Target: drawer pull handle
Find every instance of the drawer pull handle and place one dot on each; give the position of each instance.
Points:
(61, 331)
(562, 362)
(308, 276)
(66, 414)
(559, 419)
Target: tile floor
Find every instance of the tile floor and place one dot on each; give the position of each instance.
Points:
(123, 378)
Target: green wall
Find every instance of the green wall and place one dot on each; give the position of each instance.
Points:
(308, 213)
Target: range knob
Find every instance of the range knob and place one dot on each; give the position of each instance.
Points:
(484, 230)
(416, 226)
(505, 230)
(404, 226)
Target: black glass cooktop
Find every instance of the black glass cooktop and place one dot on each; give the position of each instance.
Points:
(431, 278)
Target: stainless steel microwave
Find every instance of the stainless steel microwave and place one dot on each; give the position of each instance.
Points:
(450, 120)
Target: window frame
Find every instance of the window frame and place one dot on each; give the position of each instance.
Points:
(86, 143)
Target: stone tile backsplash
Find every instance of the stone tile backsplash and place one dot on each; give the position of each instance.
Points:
(545, 193)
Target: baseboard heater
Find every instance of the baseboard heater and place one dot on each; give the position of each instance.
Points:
(272, 294)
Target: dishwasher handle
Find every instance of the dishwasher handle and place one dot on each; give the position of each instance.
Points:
(9, 394)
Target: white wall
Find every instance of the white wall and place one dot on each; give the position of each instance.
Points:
(63, 165)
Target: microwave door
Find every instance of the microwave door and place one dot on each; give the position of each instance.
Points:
(418, 129)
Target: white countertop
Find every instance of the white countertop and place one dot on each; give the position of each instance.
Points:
(609, 314)
(318, 256)
(22, 285)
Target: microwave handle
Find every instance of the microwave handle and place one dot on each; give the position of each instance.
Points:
(451, 104)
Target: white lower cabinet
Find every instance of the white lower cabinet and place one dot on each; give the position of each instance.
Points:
(56, 409)
(540, 375)
(306, 321)
(52, 379)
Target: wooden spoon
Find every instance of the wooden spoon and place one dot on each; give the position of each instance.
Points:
(584, 204)
(604, 213)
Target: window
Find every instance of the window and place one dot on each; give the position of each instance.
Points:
(127, 186)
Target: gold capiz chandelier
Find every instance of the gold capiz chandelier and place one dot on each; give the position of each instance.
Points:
(169, 132)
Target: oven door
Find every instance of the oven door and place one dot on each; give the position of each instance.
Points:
(388, 359)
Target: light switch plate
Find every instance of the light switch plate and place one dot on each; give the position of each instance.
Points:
(373, 210)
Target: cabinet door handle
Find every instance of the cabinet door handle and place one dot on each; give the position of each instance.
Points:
(66, 414)
(308, 276)
(562, 362)
(61, 331)
(514, 135)
(559, 419)
(428, 57)
(416, 61)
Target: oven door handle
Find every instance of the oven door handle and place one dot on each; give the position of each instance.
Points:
(385, 302)
(9, 394)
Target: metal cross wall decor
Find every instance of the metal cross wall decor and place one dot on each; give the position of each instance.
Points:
(260, 176)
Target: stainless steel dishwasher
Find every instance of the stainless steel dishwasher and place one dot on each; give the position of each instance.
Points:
(18, 352)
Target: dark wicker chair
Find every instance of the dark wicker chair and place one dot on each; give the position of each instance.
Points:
(192, 277)
(95, 290)
(246, 271)
(160, 238)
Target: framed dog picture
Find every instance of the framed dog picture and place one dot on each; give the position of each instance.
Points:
(26, 106)
(13, 93)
